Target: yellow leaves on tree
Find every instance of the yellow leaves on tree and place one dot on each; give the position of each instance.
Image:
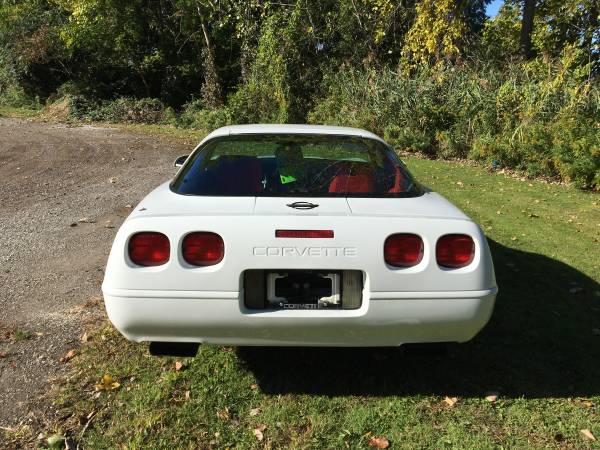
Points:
(381, 10)
(436, 33)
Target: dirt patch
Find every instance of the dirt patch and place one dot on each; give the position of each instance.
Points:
(56, 112)
(51, 261)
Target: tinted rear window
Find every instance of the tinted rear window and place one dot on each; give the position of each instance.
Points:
(295, 166)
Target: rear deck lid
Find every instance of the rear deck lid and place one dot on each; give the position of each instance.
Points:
(292, 206)
(163, 202)
(429, 205)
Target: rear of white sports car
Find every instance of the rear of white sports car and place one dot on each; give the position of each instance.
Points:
(304, 236)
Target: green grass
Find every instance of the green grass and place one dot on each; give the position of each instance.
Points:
(12, 334)
(21, 335)
(191, 137)
(540, 352)
(20, 113)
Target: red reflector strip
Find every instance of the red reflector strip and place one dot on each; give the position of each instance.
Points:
(320, 234)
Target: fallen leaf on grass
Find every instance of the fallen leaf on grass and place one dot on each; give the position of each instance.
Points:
(177, 365)
(68, 357)
(107, 383)
(588, 434)
(223, 415)
(379, 442)
(254, 411)
(450, 401)
(491, 396)
(258, 432)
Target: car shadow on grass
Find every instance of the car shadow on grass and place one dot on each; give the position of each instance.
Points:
(542, 341)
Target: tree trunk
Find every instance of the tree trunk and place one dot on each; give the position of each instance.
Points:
(527, 28)
(211, 88)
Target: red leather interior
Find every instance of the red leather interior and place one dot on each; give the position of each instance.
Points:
(353, 181)
(397, 187)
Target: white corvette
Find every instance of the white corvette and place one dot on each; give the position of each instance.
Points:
(296, 235)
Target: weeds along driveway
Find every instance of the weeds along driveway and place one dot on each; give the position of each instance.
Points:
(63, 192)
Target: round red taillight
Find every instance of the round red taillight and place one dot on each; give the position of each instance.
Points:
(149, 249)
(455, 250)
(403, 250)
(203, 248)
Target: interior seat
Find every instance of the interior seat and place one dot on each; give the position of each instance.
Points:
(356, 180)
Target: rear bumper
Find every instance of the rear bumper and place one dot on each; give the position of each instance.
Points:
(384, 319)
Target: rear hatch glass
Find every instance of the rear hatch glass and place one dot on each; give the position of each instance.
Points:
(299, 165)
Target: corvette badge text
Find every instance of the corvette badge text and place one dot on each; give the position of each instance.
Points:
(315, 252)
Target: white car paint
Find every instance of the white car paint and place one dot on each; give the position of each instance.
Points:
(177, 302)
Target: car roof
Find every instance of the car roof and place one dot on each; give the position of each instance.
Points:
(232, 130)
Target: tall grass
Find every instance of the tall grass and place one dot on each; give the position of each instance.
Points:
(543, 119)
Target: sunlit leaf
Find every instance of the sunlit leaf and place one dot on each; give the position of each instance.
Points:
(379, 442)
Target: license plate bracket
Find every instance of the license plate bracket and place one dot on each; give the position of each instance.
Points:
(303, 289)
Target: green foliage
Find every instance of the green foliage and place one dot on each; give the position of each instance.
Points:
(500, 37)
(29, 51)
(265, 96)
(123, 109)
(435, 77)
(544, 122)
(560, 23)
(195, 115)
(437, 32)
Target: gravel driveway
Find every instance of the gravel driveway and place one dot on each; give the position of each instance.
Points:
(64, 191)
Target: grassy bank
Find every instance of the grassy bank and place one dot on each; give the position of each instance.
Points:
(191, 137)
(539, 355)
(19, 113)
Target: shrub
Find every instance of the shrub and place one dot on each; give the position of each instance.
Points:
(196, 115)
(538, 118)
(125, 109)
(11, 93)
